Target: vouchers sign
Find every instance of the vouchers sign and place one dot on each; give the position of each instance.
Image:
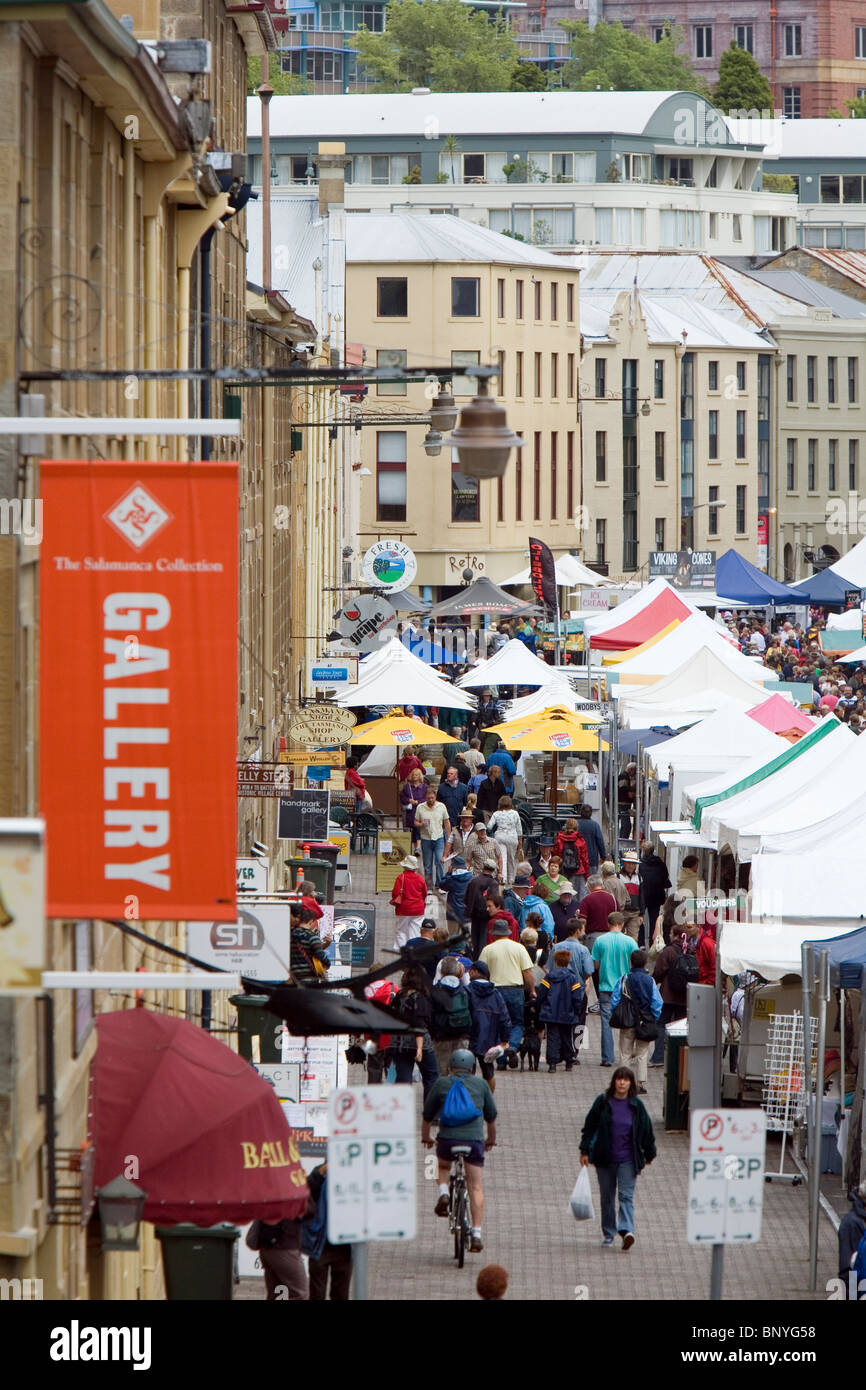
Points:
(138, 701)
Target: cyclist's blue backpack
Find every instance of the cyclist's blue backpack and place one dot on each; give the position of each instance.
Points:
(459, 1107)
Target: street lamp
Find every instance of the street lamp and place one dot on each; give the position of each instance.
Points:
(443, 411)
(482, 439)
(121, 1204)
(433, 443)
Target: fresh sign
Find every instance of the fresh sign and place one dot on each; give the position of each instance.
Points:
(390, 565)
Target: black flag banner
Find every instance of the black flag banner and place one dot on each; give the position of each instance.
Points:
(542, 572)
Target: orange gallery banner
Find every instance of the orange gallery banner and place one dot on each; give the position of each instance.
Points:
(138, 688)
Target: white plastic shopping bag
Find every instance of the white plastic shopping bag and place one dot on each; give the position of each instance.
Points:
(581, 1197)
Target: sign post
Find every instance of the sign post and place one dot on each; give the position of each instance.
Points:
(726, 1182)
(371, 1169)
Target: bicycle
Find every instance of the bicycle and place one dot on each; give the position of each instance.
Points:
(459, 1220)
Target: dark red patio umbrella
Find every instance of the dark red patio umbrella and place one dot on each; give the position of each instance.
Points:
(208, 1133)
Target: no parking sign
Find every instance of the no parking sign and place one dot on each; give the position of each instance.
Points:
(371, 1164)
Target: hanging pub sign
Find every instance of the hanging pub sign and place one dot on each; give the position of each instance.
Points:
(138, 691)
(366, 622)
(389, 565)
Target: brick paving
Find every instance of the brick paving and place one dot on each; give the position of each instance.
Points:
(528, 1226)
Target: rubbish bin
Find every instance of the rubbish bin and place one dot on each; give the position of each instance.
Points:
(675, 1101)
(254, 1019)
(324, 849)
(198, 1260)
(321, 871)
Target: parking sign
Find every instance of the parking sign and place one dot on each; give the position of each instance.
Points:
(726, 1176)
(371, 1164)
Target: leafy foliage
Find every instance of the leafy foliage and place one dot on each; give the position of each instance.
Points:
(611, 57)
(285, 84)
(440, 44)
(741, 85)
(857, 107)
(777, 183)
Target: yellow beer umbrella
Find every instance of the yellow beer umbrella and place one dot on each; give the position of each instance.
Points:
(398, 731)
(574, 720)
(555, 730)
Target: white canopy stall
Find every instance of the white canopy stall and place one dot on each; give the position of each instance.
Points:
(393, 676)
(683, 643)
(513, 664)
(700, 686)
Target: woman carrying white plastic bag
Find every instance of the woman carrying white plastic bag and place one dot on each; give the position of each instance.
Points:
(618, 1140)
(581, 1197)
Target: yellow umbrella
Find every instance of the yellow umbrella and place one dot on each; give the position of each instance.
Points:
(398, 731)
(530, 722)
(555, 730)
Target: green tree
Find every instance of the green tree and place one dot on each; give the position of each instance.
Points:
(857, 107)
(285, 84)
(440, 44)
(741, 85)
(834, 114)
(777, 183)
(528, 77)
(611, 57)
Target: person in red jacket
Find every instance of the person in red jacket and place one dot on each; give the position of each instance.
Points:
(354, 782)
(706, 956)
(408, 899)
(497, 913)
(570, 848)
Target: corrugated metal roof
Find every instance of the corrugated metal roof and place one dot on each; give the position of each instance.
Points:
(298, 238)
(850, 263)
(798, 286)
(482, 113)
(667, 317)
(809, 139)
(401, 236)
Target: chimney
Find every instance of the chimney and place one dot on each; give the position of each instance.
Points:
(331, 162)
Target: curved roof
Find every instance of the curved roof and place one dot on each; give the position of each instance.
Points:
(506, 114)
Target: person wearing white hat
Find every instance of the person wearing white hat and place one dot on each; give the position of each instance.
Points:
(409, 900)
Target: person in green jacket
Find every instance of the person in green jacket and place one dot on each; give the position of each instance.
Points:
(618, 1140)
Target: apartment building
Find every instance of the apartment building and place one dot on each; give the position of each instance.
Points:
(657, 170)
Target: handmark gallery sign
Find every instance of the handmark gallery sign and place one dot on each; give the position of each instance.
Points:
(138, 703)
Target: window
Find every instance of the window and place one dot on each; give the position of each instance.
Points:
(852, 380)
(500, 379)
(681, 171)
(659, 379)
(713, 514)
(791, 378)
(791, 465)
(832, 464)
(500, 299)
(853, 446)
(536, 378)
(636, 168)
(687, 387)
(678, 227)
(465, 297)
(542, 226)
(518, 299)
(554, 374)
(660, 533)
(554, 302)
(660, 456)
(811, 466)
(831, 380)
(829, 188)
(601, 376)
(714, 226)
(390, 475)
(811, 364)
(741, 376)
(659, 33)
(569, 377)
(536, 475)
(763, 387)
(392, 297)
(744, 37)
(600, 540)
(601, 456)
(380, 169)
(703, 41)
(518, 488)
(791, 103)
(465, 500)
(473, 167)
(629, 386)
(537, 288)
(554, 480)
(736, 227)
(569, 474)
(792, 40)
(741, 434)
(712, 376)
(714, 434)
(628, 231)
(569, 303)
(860, 40)
(464, 385)
(741, 509)
(392, 358)
(500, 499)
(629, 540)
(518, 374)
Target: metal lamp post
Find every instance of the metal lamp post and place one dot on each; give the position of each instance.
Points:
(121, 1204)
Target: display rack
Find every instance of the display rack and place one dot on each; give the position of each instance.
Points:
(783, 1095)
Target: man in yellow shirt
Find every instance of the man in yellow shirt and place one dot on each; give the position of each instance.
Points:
(510, 967)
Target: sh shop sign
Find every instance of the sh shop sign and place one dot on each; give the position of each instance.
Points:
(138, 689)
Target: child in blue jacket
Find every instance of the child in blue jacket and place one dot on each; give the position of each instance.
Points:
(559, 994)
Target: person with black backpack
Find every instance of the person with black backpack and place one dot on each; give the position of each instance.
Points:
(573, 855)
(675, 969)
(451, 1021)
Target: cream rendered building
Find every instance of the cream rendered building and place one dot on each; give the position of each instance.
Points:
(436, 291)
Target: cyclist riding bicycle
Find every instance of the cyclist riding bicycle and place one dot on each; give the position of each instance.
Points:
(469, 1134)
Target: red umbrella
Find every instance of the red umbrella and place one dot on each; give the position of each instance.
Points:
(208, 1133)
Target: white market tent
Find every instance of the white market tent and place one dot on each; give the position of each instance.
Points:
(556, 692)
(852, 567)
(569, 571)
(681, 644)
(393, 676)
(513, 664)
(817, 827)
(721, 822)
(853, 657)
(712, 790)
(729, 733)
(771, 949)
(700, 686)
(784, 884)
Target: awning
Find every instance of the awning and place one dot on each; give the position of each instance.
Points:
(209, 1135)
(481, 596)
(513, 664)
(662, 610)
(771, 949)
(779, 716)
(737, 578)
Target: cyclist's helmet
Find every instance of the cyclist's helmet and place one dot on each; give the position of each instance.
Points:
(461, 1060)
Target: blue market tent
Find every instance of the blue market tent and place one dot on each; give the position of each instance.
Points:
(823, 587)
(736, 578)
(847, 958)
(431, 652)
(630, 738)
